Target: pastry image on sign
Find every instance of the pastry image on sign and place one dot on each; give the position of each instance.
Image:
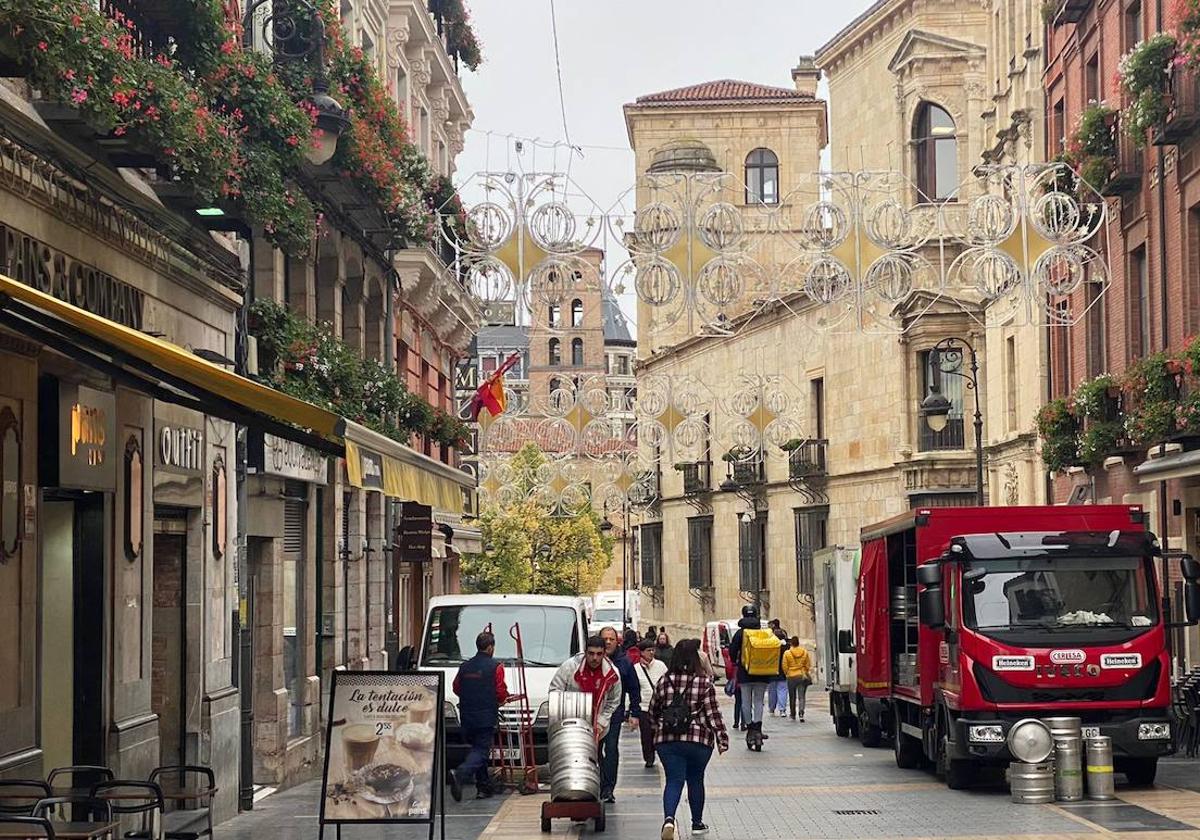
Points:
(382, 754)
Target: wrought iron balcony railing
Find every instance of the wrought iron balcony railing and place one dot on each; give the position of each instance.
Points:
(1184, 114)
(1126, 175)
(808, 460)
(697, 478)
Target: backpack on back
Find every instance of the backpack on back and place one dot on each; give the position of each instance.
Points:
(677, 714)
(760, 653)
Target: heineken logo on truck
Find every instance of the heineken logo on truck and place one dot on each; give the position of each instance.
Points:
(1112, 661)
(1012, 663)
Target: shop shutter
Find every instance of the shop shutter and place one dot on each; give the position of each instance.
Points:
(295, 519)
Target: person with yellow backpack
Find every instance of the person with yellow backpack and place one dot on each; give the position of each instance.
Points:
(758, 656)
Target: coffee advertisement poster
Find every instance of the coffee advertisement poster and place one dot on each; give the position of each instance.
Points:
(383, 746)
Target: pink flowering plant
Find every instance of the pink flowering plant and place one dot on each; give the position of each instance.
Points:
(1145, 73)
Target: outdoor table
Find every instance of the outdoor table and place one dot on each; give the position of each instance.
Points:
(66, 830)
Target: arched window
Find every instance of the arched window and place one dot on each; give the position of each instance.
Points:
(762, 177)
(554, 315)
(577, 313)
(577, 352)
(936, 144)
(555, 353)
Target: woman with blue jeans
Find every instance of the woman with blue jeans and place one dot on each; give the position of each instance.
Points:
(687, 725)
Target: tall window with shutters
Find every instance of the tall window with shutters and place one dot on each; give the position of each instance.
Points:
(752, 553)
(700, 552)
(811, 530)
(651, 539)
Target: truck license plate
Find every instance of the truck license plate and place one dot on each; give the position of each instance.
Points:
(1091, 732)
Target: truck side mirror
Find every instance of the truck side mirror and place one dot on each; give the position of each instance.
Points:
(930, 574)
(404, 662)
(930, 606)
(845, 641)
(1190, 567)
(1191, 601)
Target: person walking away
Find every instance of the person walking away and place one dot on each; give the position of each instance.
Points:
(631, 644)
(777, 696)
(591, 673)
(610, 746)
(664, 650)
(649, 671)
(481, 692)
(797, 667)
(731, 687)
(756, 654)
(687, 726)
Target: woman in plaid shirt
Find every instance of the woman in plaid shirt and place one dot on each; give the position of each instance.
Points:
(685, 756)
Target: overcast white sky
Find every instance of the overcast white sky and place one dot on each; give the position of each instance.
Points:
(612, 52)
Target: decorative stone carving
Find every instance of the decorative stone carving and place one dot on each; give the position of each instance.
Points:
(1012, 489)
(398, 34)
(421, 69)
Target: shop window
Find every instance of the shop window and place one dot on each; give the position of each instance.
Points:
(936, 143)
(762, 177)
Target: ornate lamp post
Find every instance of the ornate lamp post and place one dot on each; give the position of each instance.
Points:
(946, 358)
(287, 41)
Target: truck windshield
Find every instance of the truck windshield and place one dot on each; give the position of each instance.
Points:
(549, 635)
(1056, 593)
(607, 615)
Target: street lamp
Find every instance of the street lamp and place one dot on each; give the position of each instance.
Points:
(287, 41)
(946, 358)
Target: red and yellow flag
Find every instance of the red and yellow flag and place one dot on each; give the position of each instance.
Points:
(490, 396)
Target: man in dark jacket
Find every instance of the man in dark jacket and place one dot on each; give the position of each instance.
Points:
(481, 692)
(610, 754)
(753, 688)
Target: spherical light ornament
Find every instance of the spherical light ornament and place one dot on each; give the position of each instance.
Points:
(781, 430)
(556, 434)
(825, 225)
(656, 228)
(552, 226)
(746, 441)
(657, 283)
(653, 397)
(720, 227)
(490, 281)
(488, 226)
(889, 224)
(550, 281)
(1056, 216)
(720, 283)
(1060, 271)
(990, 219)
(560, 400)
(690, 437)
(594, 398)
(827, 280)
(575, 497)
(993, 273)
(599, 438)
(891, 277)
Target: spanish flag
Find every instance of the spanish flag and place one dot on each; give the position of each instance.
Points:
(490, 396)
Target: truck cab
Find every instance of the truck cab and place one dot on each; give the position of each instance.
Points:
(970, 620)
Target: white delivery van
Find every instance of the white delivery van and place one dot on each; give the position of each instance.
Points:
(833, 595)
(717, 636)
(607, 610)
(553, 629)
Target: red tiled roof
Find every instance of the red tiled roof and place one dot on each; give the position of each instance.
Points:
(720, 92)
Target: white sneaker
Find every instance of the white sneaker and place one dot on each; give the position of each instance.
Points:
(668, 830)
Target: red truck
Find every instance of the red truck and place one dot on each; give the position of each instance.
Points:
(967, 620)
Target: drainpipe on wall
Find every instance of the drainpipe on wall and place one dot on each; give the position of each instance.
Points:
(242, 621)
(1163, 515)
(391, 643)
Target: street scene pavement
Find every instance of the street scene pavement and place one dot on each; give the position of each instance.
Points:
(806, 783)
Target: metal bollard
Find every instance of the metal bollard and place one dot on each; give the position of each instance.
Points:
(1068, 774)
(1100, 783)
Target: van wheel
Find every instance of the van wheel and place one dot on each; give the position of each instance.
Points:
(868, 734)
(906, 748)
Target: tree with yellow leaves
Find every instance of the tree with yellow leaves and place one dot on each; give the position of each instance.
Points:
(531, 549)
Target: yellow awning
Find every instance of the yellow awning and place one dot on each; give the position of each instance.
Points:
(407, 474)
(161, 363)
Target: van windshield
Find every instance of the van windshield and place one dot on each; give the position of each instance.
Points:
(607, 615)
(549, 635)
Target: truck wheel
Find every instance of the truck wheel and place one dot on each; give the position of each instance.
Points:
(959, 774)
(868, 734)
(545, 825)
(906, 748)
(841, 726)
(1140, 771)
